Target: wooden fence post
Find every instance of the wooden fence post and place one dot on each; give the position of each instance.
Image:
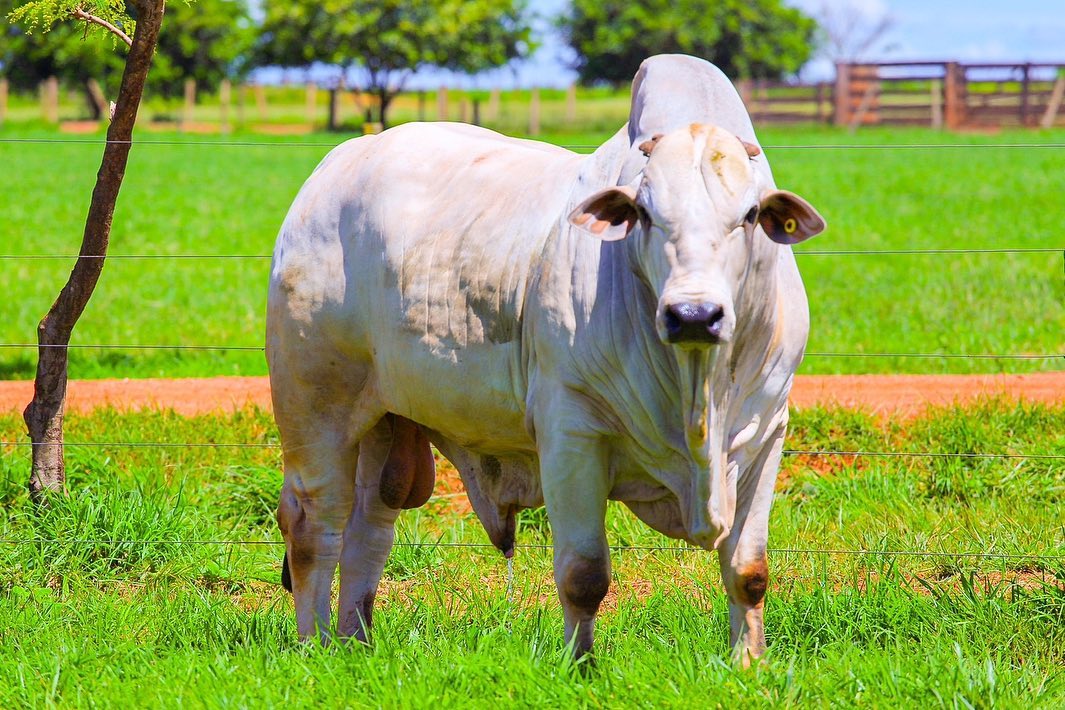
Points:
(936, 98)
(441, 104)
(464, 110)
(571, 104)
(312, 102)
(190, 104)
(225, 98)
(260, 100)
(534, 113)
(101, 110)
(1050, 117)
(491, 112)
(954, 96)
(242, 101)
(843, 94)
(50, 100)
(3, 100)
(866, 79)
(1026, 87)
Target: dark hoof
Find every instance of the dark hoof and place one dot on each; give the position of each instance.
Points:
(286, 576)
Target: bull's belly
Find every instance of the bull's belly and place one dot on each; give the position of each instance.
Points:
(472, 396)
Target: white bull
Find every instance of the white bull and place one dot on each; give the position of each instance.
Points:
(561, 341)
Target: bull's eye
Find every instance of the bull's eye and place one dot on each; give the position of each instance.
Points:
(751, 216)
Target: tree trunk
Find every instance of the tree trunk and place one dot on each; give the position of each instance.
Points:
(385, 97)
(334, 109)
(44, 415)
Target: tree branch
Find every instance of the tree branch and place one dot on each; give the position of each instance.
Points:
(82, 15)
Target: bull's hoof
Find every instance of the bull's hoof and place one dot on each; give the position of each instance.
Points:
(286, 576)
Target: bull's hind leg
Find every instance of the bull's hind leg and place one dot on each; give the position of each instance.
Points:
(320, 435)
(744, 564)
(368, 536)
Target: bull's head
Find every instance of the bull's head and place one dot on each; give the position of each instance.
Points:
(699, 203)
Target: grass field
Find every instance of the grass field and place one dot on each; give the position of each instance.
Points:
(110, 608)
(190, 199)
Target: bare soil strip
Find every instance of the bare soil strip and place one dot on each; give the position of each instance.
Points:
(884, 395)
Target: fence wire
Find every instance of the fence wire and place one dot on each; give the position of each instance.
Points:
(856, 453)
(618, 548)
(260, 348)
(532, 546)
(319, 144)
(811, 252)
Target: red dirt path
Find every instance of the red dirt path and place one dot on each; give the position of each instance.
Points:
(905, 395)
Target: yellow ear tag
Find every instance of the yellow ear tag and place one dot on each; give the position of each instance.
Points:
(790, 226)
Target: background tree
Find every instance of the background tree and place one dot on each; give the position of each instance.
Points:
(205, 41)
(745, 38)
(851, 31)
(44, 414)
(29, 55)
(391, 39)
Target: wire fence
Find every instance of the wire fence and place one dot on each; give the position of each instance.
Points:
(857, 453)
(811, 252)
(330, 145)
(261, 348)
(678, 549)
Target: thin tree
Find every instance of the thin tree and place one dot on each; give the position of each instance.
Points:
(44, 415)
(852, 31)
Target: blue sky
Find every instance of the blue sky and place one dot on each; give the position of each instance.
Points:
(963, 30)
(966, 30)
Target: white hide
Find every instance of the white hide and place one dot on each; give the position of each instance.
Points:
(430, 271)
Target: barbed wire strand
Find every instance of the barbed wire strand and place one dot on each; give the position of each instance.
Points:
(260, 348)
(822, 252)
(528, 546)
(856, 453)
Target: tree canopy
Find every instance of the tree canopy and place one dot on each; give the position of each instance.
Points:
(204, 40)
(745, 38)
(391, 39)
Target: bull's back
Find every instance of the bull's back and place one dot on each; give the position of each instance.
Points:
(410, 252)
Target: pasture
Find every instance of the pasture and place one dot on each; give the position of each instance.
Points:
(133, 594)
(158, 581)
(183, 198)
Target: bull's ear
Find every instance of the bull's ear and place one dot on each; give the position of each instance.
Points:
(787, 218)
(608, 214)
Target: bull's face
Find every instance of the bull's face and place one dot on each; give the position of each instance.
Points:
(700, 208)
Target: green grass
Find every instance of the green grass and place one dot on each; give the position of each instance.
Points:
(191, 199)
(108, 606)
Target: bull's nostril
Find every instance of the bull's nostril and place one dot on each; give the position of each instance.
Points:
(715, 320)
(674, 323)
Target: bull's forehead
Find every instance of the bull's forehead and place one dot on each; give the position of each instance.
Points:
(690, 165)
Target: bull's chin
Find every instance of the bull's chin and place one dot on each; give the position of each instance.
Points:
(687, 344)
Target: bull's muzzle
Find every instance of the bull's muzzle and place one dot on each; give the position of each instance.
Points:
(694, 323)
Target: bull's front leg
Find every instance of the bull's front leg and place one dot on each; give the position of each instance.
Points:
(575, 482)
(744, 563)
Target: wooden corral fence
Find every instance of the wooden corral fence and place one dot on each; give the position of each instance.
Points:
(780, 102)
(950, 94)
